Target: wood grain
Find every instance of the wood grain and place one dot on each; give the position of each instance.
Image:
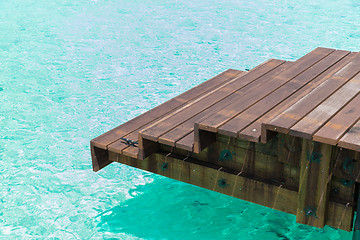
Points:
(314, 120)
(351, 140)
(168, 122)
(244, 119)
(183, 129)
(337, 126)
(285, 120)
(214, 122)
(113, 135)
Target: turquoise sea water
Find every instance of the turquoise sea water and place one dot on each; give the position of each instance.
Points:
(71, 70)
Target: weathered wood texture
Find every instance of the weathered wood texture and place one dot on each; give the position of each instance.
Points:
(285, 120)
(173, 127)
(230, 182)
(351, 139)
(285, 135)
(329, 113)
(112, 139)
(171, 105)
(241, 120)
(314, 183)
(314, 97)
(253, 131)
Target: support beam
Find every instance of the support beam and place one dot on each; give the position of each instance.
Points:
(147, 147)
(100, 157)
(314, 183)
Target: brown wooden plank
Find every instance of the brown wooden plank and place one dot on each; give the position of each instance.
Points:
(351, 140)
(289, 149)
(170, 121)
(340, 216)
(254, 130)
(348, 166)
(309, 124)
(118, 145)
(284, 121)
(210, 176)
(212, 123)
(244, 119)
(337, 126)
(186, 127)
(215, 178)
(187, 142)
(99, 157)
(111, 136)
(314, 183)
(131, 152)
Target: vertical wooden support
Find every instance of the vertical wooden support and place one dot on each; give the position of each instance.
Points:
(146, 147)
(249, 167)
(202, 138)
(314, 183)
(100, 157)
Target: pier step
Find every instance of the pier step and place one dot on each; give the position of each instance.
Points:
(284, 135)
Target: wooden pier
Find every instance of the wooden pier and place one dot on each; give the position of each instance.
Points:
(285, 135)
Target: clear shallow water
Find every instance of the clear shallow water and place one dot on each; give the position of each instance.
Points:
(70, 70)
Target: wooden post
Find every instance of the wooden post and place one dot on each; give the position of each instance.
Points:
(100, 157)
(314, 183)
(146, 147)
(202, 138)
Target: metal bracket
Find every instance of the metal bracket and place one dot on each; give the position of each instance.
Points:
(225, 155)
(222, 183)
(129, 142)
(164, 166)
(310, 211)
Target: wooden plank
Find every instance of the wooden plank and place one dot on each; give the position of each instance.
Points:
(212, 123)
(215, 178)
(271, 148)
(314, 183)
(171, 137)
(342, 191)
(337, 126)
(284, 121)
(254, 130)
(351, 140)
(309, 124)
(147, 147)
(100, 158)
(170, 121)
(348, 166)
(227, 182)
(131, 152)
(118, 145)
(155, 130)
(244, 119)
(340, 216)
(187, 142)
(111, 136)
(289, 149)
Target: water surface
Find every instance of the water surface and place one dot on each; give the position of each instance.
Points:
(71, 70)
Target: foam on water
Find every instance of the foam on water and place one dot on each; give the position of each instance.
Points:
(71, 70)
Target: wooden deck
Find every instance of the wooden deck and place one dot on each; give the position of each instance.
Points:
(302, 118)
